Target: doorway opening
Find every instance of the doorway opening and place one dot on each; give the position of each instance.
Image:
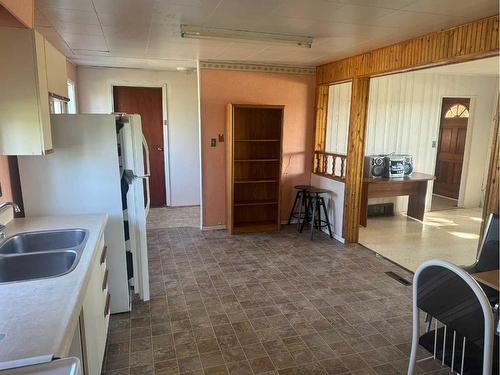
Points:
(451, 144)
(173, 187)
(443, 118)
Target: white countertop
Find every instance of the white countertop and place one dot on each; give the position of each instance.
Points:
(39, 317)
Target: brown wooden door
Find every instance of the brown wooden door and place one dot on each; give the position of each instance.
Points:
(451, 146)
(147, 102)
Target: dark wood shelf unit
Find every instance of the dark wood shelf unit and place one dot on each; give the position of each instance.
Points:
(254, 158)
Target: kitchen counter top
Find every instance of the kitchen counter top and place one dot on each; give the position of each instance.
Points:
(39, 317)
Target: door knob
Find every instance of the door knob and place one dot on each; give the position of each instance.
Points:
(159, 148)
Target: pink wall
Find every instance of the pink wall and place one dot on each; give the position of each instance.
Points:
(23, 10)
(295, 92)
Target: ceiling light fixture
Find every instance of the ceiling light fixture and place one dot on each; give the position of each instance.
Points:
(200, 32)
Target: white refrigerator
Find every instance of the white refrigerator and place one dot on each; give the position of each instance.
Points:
(99, 165)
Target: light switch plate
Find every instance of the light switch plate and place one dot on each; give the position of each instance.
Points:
(213, 142)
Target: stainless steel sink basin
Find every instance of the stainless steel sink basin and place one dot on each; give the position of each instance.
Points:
(36, 265)
(43, 254)
(31, 242)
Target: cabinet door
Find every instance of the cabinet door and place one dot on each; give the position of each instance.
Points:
(57, 81)
(24, 106)
(95, 318)
(43, 93)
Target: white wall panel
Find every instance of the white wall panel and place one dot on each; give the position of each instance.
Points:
(95, 96)
(339, 103)
(403, 117)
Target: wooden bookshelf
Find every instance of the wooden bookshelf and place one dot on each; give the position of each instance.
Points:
(253, 156)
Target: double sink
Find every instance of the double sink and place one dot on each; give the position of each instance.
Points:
(41, 254)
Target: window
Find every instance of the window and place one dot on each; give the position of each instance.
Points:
(457, 110)
(57, 106)
(72, 97)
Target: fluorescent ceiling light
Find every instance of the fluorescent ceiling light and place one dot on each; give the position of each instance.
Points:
(200, 32)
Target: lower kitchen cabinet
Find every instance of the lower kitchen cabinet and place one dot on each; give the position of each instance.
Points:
(94, 319)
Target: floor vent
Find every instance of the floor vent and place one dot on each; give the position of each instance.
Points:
(398, 278)
(380, 209)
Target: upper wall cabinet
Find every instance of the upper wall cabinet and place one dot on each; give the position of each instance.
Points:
(24, 93)
(57, 81)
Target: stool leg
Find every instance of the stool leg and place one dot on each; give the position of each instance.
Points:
(306, 213)
(301, 204)
(293, 207)
(313, 217)
(326, 217)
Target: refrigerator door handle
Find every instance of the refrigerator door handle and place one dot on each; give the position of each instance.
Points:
(146, 175)
(146, 152)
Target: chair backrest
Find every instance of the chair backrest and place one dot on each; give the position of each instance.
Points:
(488, 256)
(453, 297)
(444, 295)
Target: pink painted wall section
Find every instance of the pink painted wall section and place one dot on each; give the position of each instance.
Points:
(23, 10)
(7, 19)
(220, 87)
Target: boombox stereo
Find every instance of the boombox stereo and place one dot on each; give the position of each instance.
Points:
(375, 166)
(393, 165)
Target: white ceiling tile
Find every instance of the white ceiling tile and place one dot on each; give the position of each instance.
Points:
(77, 28)
(86, 42)
(71, 16)
(474, 8)
(311, 10)
(416, 23)
(123, 6)
(65, 4)
(147, 32)
(390, 4)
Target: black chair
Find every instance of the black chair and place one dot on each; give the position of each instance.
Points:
(316, 204)
(487, 259)
(302, 198)
(488, 255)
(463, 337)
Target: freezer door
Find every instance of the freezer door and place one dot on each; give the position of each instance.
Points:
(135, 206)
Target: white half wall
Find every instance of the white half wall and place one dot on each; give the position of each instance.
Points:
(404, 114)
(95, 96)
(334, 203)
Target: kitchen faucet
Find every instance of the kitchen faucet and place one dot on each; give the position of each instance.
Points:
(16, 210)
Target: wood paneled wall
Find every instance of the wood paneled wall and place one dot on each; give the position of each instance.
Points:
(321, 116)
(473, 40)
(465, 42)
(491, 203)
(355, 157)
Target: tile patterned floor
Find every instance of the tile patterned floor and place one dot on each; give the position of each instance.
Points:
(174, 217)
(264, 304)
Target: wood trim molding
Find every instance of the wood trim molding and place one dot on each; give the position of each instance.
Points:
(261, 68)
(355, 157)
(473, 40)
(470, 41)
(491, 203)
(321, 117)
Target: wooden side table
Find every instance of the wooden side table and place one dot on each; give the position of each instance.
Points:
(415, 186)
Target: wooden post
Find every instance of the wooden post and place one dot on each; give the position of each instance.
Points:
(355, 157)
(492, 185)
(321, 116)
